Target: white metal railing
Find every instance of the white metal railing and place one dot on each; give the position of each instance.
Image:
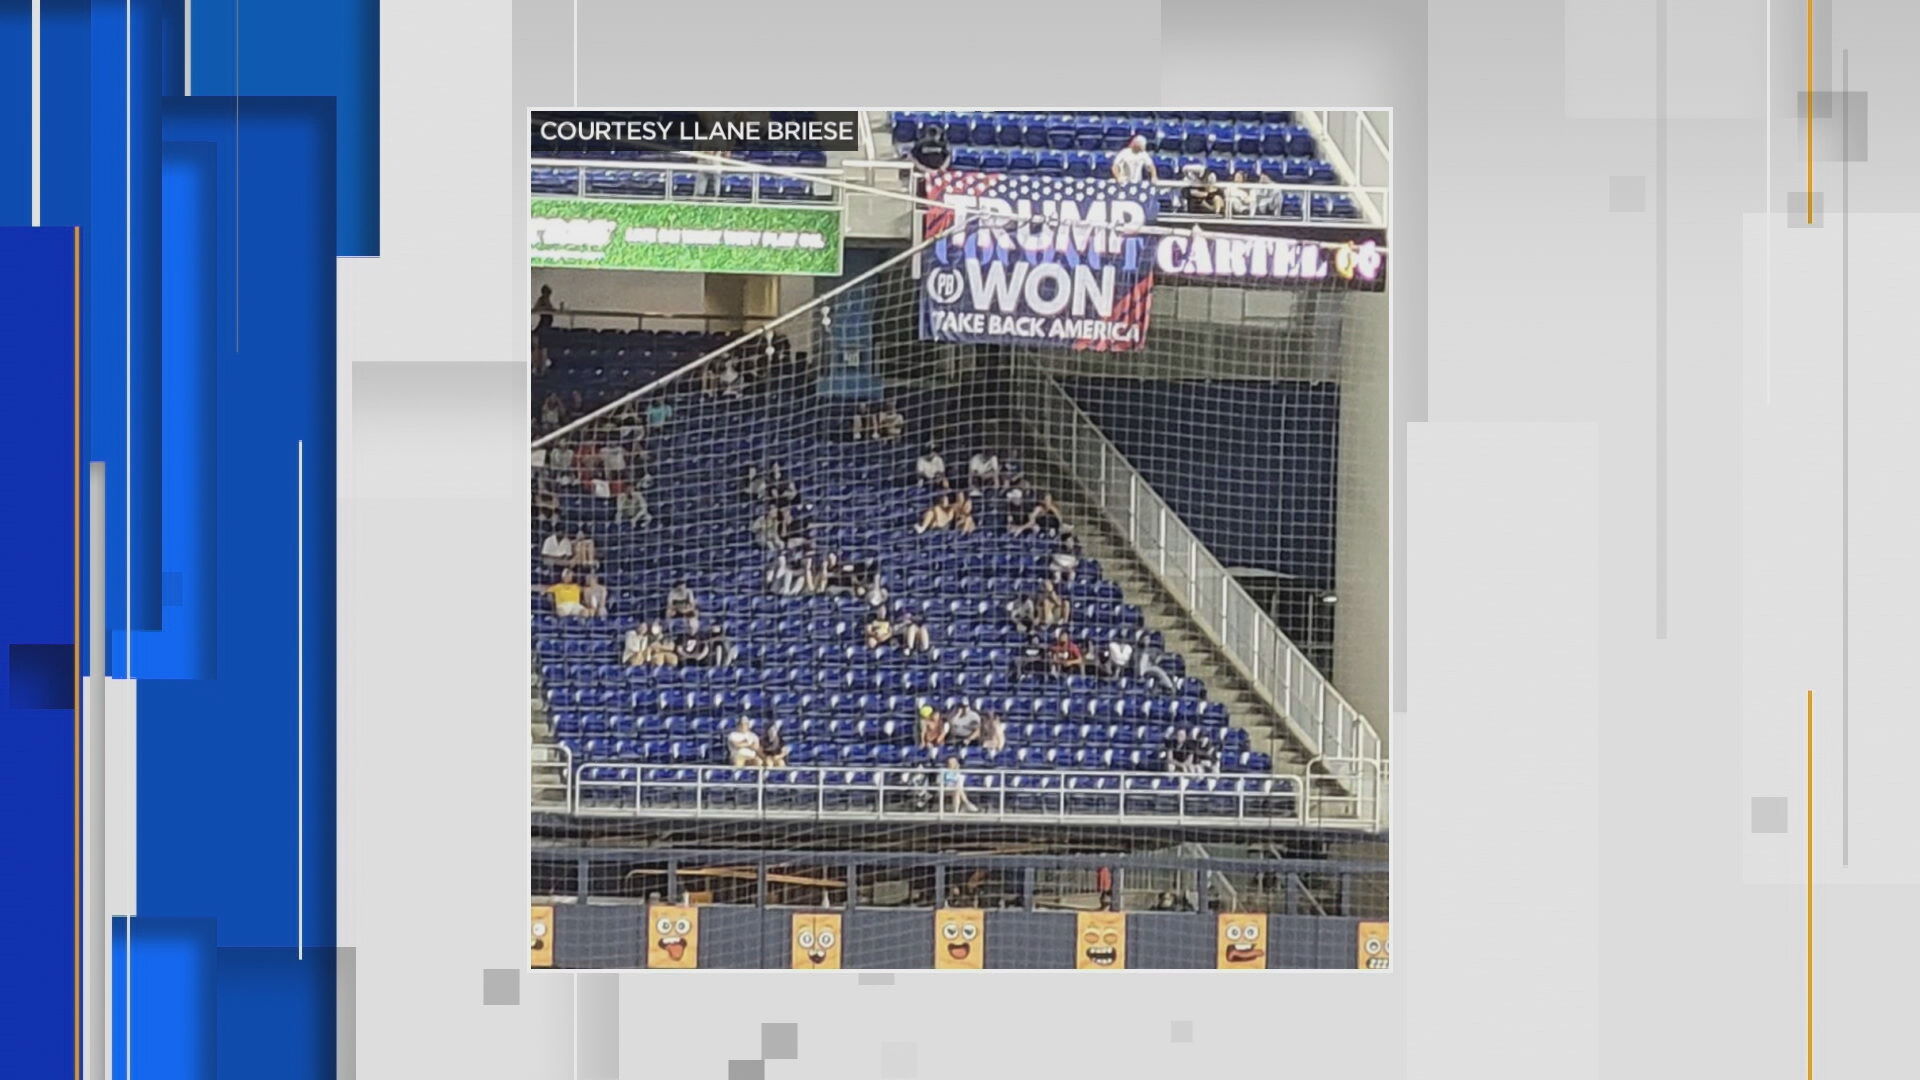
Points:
(1330, 728)
(552, 774)
(614, 789)
(1358, 153)
(709, 181)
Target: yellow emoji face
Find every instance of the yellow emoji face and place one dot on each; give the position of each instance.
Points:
(1100, 941)
(1374, 954)
(816, 942)
(673, 937)
(1242, 941)
(541, 921)
(959, 939)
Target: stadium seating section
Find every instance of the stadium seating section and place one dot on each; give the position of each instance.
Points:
(847, 711)
(627, 183)
(1264, 146)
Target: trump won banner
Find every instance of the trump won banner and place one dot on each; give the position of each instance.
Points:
(1038, 260)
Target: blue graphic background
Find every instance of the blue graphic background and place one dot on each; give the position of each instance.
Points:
(209, 216)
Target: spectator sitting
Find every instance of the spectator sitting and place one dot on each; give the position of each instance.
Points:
(863, 422)
(1240, 196)
(636, 646)
(630, 508)
(1065, 655)
(932, 730)
(660, 648)
(941, 514)
(993, 734)
(914, 637)
(594, 597)
(658, 414)
(983, 469)
(552, 411)
(1179, 751)
(1205, 196)
(1146, 664)
(694, 648)
(879, 630)
(931, 468)
(963, 723)
(1065, 562)
(1024, 615)
(743, 746)
(584, 551)
(546, 504)
(1206, 753)
(876, 594)
(780, 488)
(953, 782)
(1044, 518)
(754, 485)
(680, 602)
(797, 523)
(1055, 609)
(1118, 657)
(557, 549)
(963, 520)
(773, 747)
(931, 151)
(767, 529)
(888, 424)
(566, 595)
(786, 577)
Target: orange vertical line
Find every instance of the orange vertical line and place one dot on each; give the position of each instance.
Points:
(1809, 884)
(1809, 129)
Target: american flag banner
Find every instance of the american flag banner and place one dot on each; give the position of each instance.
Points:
(1038, 259)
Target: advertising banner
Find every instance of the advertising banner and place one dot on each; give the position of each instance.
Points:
(1038, 260)
(713, 238)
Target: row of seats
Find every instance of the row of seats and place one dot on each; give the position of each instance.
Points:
(1246, 133)
(867, 790)
(864, 496)
(857, 755)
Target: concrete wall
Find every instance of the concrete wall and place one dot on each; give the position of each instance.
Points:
(613, 936)
(1362, 562)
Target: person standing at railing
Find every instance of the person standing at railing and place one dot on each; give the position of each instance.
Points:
(1133, 163)
(543, 307)
(954, 782)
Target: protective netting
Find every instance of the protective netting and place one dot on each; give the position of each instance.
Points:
(839, 621)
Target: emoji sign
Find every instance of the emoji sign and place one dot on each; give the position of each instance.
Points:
(816, 942)
(541, 922)
(1373, 951)
(673, 937)
(1242, 941)
(959, 939)
(1100, 942)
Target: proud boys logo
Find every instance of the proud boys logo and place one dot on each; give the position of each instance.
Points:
(945, 285)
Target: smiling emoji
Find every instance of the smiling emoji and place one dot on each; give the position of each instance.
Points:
(959, 939)
(1374, 954)
(673, 937)
(1100, 943)
(1240, 941)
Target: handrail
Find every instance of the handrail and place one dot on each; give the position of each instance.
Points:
(565, 764)
(567, 314)
(718, 170)
(1278, 799)
(1313, 710)
(1315, 123)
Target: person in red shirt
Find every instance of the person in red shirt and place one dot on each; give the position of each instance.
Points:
(1066, 655)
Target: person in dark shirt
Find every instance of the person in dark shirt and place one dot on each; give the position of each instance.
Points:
(930, 150)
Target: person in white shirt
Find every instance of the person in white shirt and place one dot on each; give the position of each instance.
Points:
(556, 549)
(680, 602)
(631, 508)
(1134, 163)
(1119, 657)
(743, 746)
(963, 724)
(594, 597)
(932, 467)
(633, 651)
(560, 456)
(984, 469)
(614, 458)
(785, 578)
